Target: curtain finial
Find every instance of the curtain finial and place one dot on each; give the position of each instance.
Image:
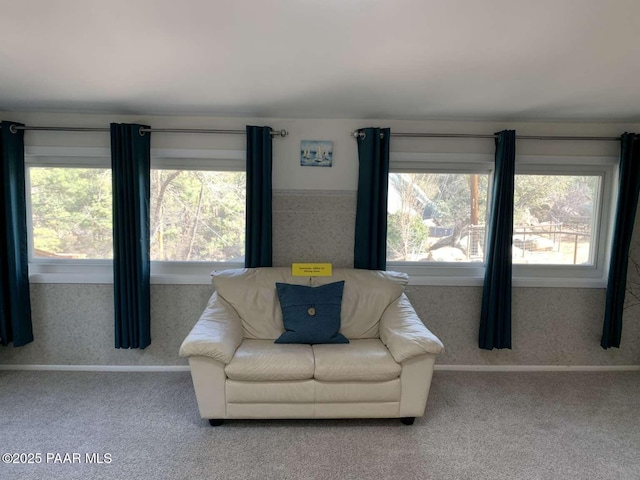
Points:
(278, 133)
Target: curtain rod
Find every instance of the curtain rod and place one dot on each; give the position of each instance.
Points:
(361, 134)
(15, 128)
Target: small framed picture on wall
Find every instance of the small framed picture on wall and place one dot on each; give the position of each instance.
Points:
(316, 153)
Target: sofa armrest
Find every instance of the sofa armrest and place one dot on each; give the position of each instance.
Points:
(217, 334)
(404, 334)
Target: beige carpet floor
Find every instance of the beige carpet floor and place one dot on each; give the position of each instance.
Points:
(477, 426)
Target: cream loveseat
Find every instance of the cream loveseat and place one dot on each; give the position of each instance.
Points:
(239, 372)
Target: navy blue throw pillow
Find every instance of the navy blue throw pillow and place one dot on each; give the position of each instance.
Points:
(311, 314)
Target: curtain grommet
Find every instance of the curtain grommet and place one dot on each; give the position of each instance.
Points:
(140, 132)
(359, 134)
(13, 129)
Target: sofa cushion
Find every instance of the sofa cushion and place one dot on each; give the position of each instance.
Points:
(365, 360)
(300, 391)
(357, 391)
(252, 294)
(311, 314)
(367, 294)
(263, 361)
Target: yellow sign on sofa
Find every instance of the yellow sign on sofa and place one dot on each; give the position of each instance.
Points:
(311, 269)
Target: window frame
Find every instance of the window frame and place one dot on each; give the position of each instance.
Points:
(594, 275)
(442, 273)
(472, 274)
(49, 270)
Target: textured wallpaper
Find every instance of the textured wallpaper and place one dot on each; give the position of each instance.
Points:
(73, 324)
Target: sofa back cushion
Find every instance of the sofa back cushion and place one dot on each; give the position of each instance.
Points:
(367, 294)
(252, 293)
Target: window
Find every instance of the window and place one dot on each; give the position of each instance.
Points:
(70, 213)
(436, 217)
(197, 212)
(437, 208)
(436, 214)
(555, 219)
(197, 215)
(562, 212)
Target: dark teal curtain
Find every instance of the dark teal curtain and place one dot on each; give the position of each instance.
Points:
(495, 319)
(628, 189)
(370, 251)
(15, 306)
(130, 164)
(258, 243)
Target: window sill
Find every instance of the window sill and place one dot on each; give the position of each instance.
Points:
(518, 282)
(107, 279)
(100, 272)
(420, 280)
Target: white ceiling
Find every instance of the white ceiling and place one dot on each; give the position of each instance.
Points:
(429, 59)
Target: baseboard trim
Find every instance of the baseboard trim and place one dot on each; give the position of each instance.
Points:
(100, 368)
(449, 368)
(538, 368)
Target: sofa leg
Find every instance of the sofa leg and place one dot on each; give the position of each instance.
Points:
(215, 422)
(405, 420)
